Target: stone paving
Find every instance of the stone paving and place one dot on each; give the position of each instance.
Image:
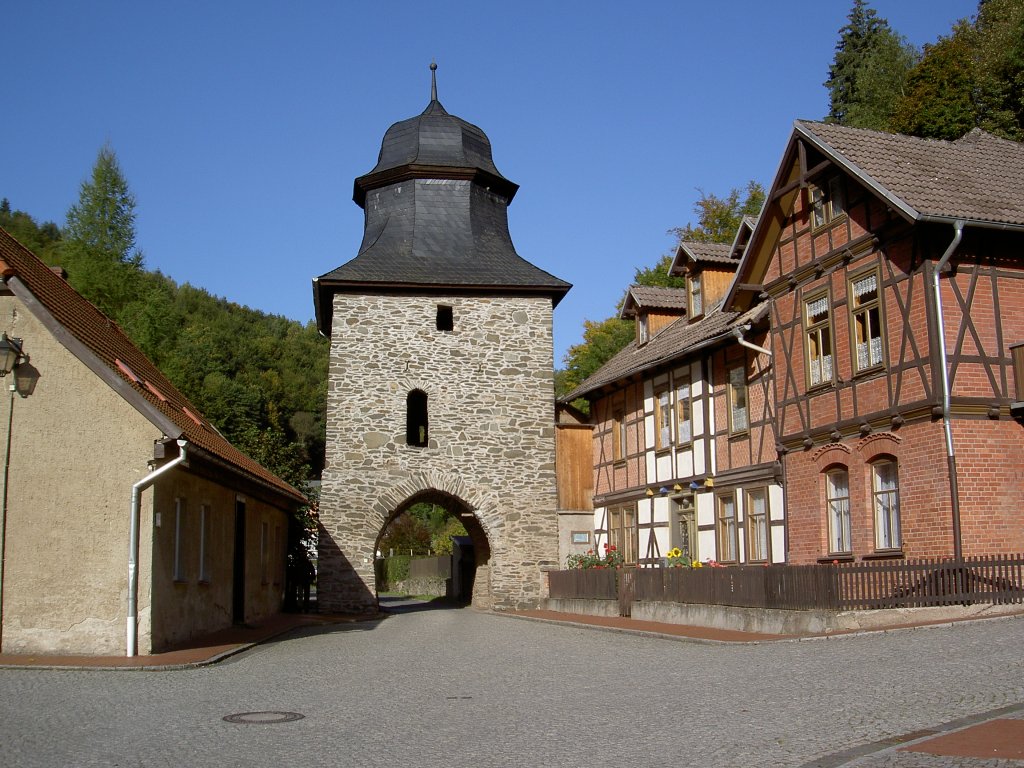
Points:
(457, 687)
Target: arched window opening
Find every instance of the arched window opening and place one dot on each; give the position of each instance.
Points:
(837, 498)
(416, 418)
(886, 497)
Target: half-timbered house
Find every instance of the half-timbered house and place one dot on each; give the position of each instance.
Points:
(684, 454)
(894, 271)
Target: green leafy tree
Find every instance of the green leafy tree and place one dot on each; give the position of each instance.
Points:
(974, 77)
(940, 98)
(718, 219)
(38, 238)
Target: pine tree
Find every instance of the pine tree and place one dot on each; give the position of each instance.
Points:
(869, 70)
(103, 219)
(98, 247)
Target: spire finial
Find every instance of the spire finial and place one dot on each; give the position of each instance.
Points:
(433, 80)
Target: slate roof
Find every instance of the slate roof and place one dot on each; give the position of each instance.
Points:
(652, 297)
(435, 138)
(436, 218)
(673, 342)
(123, 365)
(977, 177)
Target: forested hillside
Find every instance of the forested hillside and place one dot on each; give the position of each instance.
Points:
(261, 379)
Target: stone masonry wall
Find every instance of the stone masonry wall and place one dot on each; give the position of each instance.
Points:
(489, 384)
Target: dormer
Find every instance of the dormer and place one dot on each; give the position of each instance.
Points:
(708, 269)
(653, 309)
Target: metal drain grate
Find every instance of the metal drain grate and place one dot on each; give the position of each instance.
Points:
(263, 718)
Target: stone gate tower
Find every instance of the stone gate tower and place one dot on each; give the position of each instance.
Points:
(441, 369)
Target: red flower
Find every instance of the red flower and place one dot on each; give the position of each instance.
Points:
(606, 545)
(611, 548)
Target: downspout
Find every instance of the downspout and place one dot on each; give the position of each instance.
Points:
(738, 333)
(133, 546)
(3, 512)
(954, 492)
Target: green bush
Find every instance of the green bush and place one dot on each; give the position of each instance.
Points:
(391, 570)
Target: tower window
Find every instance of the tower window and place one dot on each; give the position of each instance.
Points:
(416, 418)
(445, 318)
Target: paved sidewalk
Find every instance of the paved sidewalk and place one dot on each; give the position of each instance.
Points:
(197, 653)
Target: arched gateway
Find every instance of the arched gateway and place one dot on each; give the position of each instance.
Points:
(440, 382)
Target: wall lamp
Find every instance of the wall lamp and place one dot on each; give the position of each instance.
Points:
(13, 358)
(11, 354)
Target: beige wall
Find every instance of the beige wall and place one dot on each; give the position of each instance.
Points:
(196, 600)
(76, 449)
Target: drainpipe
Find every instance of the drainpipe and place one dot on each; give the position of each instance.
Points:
(738, 333)
(3, 511)
(954, 492)
(133, 546)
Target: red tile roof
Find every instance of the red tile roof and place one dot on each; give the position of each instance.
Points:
(102, 336)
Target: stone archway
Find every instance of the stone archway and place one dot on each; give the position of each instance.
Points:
(480, 549)
(507, 576)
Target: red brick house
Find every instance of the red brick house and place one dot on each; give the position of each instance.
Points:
(893, 268)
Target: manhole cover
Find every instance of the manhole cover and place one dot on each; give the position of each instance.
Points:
(263, 718)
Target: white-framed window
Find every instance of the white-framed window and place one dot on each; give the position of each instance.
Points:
(757, 525)
(264, 553)
(204, 542)
(885, 492)
(179, 542)
(739, 420)
(837, 501)
(662, 420)
(622, 531)
(866, 316)
(818, 332)
(728, 541)
(826, 201)
(643, 329)
(684, 423)
(696, 295)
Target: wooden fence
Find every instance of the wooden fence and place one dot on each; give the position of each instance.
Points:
(844, 586)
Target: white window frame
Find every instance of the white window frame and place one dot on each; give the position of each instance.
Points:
(727, 529)
(837, 504)
(178, 569)
(695, 293)
(662, 419)
(867, 330)
(684, 410)
(739, 400)
(204, 543)
(885, 500)
(818, 338)
(756, 523)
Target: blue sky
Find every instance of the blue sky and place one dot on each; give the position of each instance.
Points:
(240, 126)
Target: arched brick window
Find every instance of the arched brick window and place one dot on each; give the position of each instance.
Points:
(837, 508)
(885, 497)
(416, 418)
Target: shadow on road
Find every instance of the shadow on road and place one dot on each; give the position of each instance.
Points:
(402, 604)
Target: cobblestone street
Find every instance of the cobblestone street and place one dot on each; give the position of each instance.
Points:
(456, 687)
